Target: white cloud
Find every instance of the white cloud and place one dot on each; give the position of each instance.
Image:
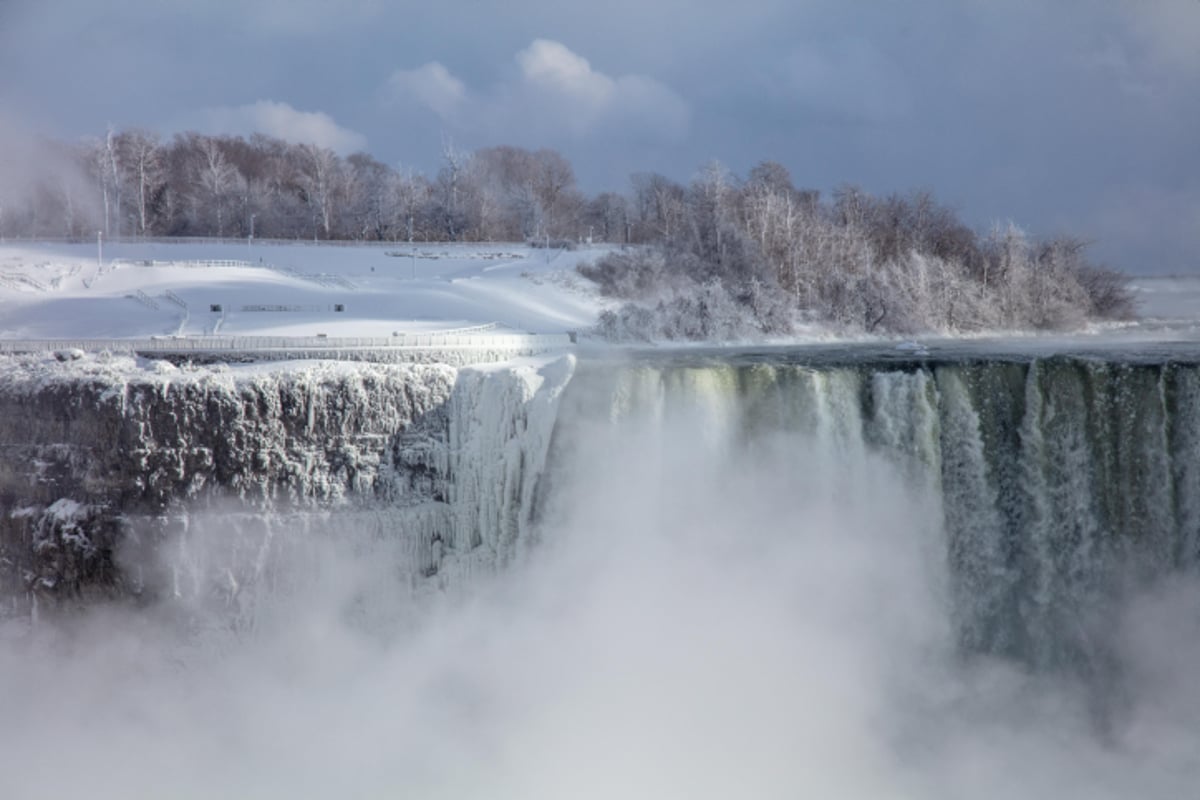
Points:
(552, 66)
(281, 121)
(562, 84)
(555, 93)
(431, 85)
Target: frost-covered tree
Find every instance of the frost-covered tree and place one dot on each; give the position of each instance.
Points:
(606, 217)
(324, 182)
(216, 183)
(105, 168)
(142, 172)
(457, 191)
(900, 262)
(659, 207)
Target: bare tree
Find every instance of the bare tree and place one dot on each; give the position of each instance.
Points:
(105, 170)
(899, 262)
(553, 183)
(323, 182)
(659, 206)
(607, 218)
(216, 181)
(454, 188)
(142, 161)
(369, 197)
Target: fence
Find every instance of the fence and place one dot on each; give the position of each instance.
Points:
(525, 342)
(186, 262)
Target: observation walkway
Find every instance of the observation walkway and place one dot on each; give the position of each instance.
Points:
(470, 346)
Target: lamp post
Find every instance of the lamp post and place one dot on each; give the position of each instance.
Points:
(99, 249)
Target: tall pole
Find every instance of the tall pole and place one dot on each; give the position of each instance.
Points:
(99, 249)
(250, 241)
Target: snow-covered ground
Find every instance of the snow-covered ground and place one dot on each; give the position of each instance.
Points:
(302, 289)
(68, 291)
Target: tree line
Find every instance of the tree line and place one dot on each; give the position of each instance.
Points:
(132, 183)
(748, 257)
(730, 256)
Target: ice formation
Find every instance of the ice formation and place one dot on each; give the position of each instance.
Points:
(110, 461)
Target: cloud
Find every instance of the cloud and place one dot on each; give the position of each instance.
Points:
(583, 98)
(555, 68)
(281, 121)
(30, 162)
(431, 85)
(555, 93)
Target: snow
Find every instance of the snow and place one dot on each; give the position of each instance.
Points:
(156, 288)
(66, 509)
(293, 289)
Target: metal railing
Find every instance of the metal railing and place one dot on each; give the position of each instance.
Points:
(253, 344)
(183, 262)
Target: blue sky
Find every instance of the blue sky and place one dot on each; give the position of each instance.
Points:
(1078, 116)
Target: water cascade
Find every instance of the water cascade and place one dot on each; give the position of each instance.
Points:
(1062, 482)
(851, 573)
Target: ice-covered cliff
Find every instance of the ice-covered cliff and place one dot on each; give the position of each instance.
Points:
(108, 463)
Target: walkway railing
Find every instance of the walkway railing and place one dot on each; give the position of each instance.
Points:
(525, 342)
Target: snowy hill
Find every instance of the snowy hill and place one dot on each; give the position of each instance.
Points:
(142, 289)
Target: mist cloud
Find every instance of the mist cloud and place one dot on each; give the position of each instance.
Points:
(280, 120)
(700, 620)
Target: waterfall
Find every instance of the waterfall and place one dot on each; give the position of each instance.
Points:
(1062, 482)
(677, 575)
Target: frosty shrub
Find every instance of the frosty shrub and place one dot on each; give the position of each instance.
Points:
(628, 274)
(728, 259)
(698, 312)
